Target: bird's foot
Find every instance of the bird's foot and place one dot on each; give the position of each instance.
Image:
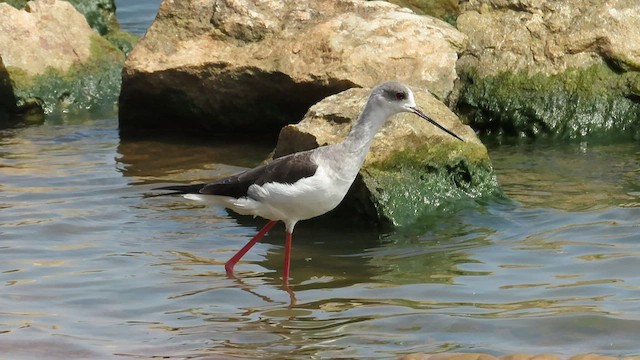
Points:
(228, 267)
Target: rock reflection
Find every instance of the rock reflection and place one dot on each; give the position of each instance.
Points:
(186, 160)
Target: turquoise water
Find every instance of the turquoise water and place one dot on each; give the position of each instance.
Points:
(91, 268)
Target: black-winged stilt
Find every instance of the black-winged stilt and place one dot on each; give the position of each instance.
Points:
(306, 184)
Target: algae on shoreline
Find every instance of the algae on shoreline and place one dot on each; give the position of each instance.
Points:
(596, 102)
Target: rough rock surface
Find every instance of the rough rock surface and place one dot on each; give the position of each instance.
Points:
(550, 36)
(54, 59)
(412, 167)
(101, 14)
(565, 68)
(244, 65)
(45, 34)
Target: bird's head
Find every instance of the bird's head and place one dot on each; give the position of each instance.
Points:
(398, 97)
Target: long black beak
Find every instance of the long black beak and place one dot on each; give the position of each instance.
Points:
(426, 117)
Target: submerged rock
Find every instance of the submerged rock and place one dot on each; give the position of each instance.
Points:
(566, 69)
(54, 61)
(255, 66)
(412, 167)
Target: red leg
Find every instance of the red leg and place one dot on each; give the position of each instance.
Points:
(228, 266)
(287, 259)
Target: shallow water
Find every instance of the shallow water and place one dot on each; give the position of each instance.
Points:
(90, 268)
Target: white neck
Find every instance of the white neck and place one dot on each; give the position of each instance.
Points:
(361, 136)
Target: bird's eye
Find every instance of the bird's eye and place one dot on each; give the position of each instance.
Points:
(401, 96)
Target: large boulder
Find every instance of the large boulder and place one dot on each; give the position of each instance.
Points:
(412, 168)
(254, 66)
(554, 68)
(54, 61)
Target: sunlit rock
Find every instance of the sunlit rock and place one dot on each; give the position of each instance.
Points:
(255, 66)
(55, 61)
(566, 69)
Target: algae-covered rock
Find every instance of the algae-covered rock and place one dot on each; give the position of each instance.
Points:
(412, 167)
(55, 62)
(595, 102)
(565, 69)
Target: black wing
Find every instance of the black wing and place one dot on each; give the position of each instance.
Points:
(181, 189)
(286, 170)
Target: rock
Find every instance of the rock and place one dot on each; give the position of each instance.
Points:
(100, 14)
(55, 61)
(550, 36)
(412, 167)
(255, 66)
(446, 10)
(592, 357)
(7, 98)
(517, 356)
(566, 69)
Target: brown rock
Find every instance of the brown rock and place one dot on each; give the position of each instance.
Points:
(545, 357)
(46, 34)
(517, 357)
(329, 122)
(592, 357)
(549, 36)
(415, 356)
(255, 66)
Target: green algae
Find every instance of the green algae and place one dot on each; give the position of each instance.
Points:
(92, 86)
(415, 182)
(123, 40)
(592, 103)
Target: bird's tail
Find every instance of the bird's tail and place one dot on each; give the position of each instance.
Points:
(180, 189)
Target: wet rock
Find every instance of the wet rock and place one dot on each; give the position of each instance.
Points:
(255, 66)
(412, 167)
(567, 69)
(54, 61)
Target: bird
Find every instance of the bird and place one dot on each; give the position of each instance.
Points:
(305, 184)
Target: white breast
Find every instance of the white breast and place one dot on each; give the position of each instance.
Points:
(305, 199)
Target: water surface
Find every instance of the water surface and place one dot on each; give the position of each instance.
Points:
(91, 268)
